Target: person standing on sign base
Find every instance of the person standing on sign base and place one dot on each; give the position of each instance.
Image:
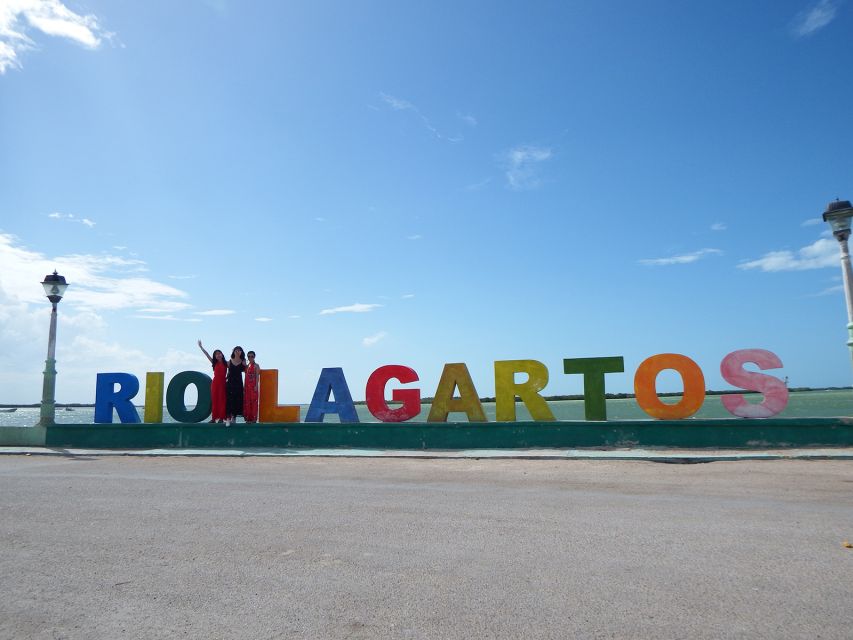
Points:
(217, 385)
(234, 385)
(251, 389)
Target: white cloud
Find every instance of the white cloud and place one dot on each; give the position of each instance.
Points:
(811, 20)
(476, 186)
(830, 290)
(821, 253)
(468, 119)
(521, 165)
(71, 217)
(102, 282)
(216, 312)
(406, 296)
(718, 226)
(353, 308)
(166, 317)
(294, 317)
(812, 222)
(77, 355)
(263, 319)
(82, 351)
(417, 236)
(186, 277)
(372, 340)
(685, 258)
(398, 104)
(19, 18)
(86, 321)
(165, 306)
(23, 325)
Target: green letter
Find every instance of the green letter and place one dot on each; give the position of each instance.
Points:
(593, 370)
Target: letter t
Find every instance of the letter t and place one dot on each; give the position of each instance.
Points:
(593, 370)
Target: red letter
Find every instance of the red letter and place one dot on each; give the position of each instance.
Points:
(375, 394)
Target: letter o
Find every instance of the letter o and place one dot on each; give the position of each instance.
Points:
(175, 396)
(645, 387)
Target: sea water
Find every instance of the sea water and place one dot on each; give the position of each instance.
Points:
(825, 404)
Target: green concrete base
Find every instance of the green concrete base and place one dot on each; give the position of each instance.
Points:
(22, 436)
(682, 434)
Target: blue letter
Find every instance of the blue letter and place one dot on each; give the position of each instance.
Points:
(106, 397)
(332, 381)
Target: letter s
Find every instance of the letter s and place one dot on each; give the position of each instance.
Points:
(774, 390)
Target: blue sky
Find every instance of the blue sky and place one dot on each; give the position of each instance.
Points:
(359, 184)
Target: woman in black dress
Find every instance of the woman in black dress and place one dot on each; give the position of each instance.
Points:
(234, 385)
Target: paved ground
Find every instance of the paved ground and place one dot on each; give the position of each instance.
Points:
(121, 547)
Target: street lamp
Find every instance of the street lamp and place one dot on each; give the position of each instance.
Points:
(54, 288)
(838, 216)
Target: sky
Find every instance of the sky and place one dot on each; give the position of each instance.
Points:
(353, 184)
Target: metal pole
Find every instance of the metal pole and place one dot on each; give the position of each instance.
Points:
(48, 395)
(847, 272)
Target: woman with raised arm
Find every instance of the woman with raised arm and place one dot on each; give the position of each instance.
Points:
(217, 385)
(234, 385)
(250, 394)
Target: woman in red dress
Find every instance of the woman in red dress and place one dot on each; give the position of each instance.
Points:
(217, 385)
(251, 389)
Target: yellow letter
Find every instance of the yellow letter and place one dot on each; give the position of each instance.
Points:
(456, 375)
(506, 388)
(153, 397)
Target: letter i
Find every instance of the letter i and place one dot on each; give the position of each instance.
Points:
(153, 397)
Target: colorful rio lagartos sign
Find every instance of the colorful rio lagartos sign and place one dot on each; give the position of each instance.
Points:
(117, 390)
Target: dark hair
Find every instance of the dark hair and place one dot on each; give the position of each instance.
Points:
(251, 353)
(213, 357)
(242, 353)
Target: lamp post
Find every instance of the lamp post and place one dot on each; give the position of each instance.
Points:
(54, 287)
(838, 216)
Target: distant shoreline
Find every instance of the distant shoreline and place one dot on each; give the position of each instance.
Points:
(608, 396)
(36, 405)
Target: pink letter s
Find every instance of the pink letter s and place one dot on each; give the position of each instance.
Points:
(774, 390)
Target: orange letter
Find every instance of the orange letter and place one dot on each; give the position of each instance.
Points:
(270, 410)
(646, 390)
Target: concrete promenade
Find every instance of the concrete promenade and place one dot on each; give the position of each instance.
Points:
(300, 547)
